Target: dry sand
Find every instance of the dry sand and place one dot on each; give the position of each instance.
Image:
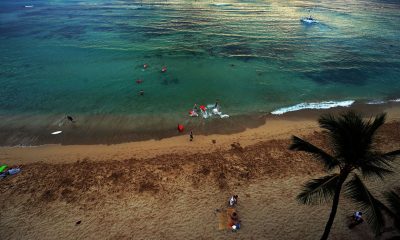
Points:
(170, 188)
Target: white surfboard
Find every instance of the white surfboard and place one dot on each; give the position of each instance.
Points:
(56, 132)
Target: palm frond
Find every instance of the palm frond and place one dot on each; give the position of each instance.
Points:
(394, 204)
(377, 158)
(345, 134)
(370, 170)
(378, 122)
(318, 190)
(299, 144)
(356, 190)
(393, 154)
(329, 122)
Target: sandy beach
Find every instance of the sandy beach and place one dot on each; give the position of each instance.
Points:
(176, 189)
(94, 96)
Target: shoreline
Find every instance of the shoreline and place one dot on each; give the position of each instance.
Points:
(30, 130)
(274, 127)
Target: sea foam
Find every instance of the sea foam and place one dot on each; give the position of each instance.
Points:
(315, 105)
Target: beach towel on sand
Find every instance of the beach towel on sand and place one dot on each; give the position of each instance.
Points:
(224, 219)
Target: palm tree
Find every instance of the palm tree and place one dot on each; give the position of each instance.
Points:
(393, 210)
(353, 151)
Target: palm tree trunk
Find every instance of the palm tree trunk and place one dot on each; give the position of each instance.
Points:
(335, 204)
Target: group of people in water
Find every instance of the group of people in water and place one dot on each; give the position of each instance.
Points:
(196, 110)
(139, 81)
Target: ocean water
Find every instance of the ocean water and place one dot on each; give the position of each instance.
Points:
(83, 57)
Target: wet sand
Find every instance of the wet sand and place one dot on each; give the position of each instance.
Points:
(171, 188)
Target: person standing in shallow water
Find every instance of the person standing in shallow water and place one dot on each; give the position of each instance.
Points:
(216, 104)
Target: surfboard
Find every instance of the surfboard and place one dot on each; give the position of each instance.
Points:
(56, 132)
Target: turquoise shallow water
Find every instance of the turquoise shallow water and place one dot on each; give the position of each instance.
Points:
(83, 57)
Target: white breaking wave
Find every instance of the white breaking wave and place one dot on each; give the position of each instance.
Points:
(375, 102)
(221, 4)
(317, 105)
(382, 102)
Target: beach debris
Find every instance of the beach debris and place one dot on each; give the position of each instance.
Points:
(214, 141)
(78, 222)
(236, 146)
(56, 132)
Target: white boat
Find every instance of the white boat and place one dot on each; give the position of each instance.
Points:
(308, 20)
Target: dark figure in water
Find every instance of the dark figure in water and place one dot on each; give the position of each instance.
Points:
(216, 104)
(71, 119)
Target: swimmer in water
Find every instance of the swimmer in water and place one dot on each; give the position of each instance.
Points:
(164, 69)
(195, 108)
(141, 92)
(145, 65)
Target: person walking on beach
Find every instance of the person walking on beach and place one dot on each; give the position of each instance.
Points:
(191, 136)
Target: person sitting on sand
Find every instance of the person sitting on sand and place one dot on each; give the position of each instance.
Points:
(233, 200)
(10, 171)
(357, 216)
(357, 219)
(234, 221)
